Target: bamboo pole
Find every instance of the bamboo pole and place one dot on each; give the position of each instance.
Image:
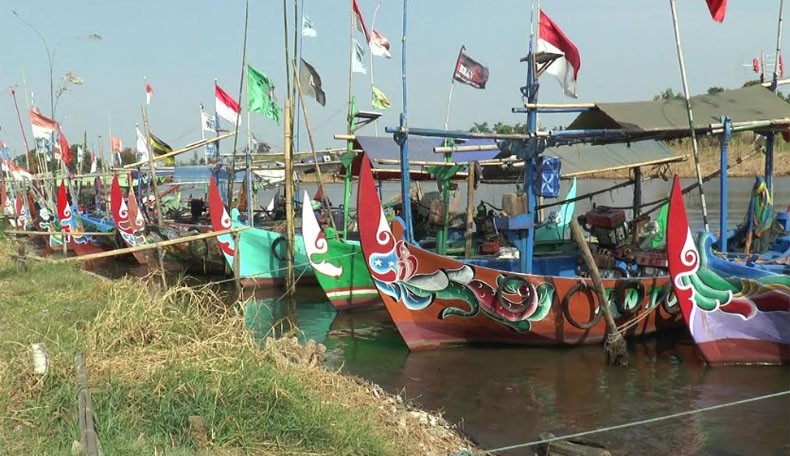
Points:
(694, 149)
(289, 212)
(185, 149)
(237, 261)
(88, 436)
(232, 177)
(44, 233)
(560, 105)
(153, 245)
(616, 348)
(151, 169)
(298, 85)
(470, 207)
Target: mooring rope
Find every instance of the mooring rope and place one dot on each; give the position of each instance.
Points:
(631, 424)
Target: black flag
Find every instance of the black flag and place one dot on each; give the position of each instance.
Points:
(311, 83)
(469, 71)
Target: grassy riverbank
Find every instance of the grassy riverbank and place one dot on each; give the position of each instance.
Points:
(158, 359)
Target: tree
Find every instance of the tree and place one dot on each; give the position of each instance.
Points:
(668, 94)
(480, 128)
(714, 90)
(128, 156)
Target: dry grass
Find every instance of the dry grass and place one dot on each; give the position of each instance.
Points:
(746, 158)
(159, 358)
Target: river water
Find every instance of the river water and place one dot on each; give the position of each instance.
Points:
(504, 396)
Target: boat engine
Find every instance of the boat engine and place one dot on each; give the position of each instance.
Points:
(607, 225)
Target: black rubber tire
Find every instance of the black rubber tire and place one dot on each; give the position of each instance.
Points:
(275, 250)
(664, 296)
(583, 288)
(620, 295)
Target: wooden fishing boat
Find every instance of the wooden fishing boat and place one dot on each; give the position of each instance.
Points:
(338, 264)
(200, 256)
(340, 267)
(130, 222)
(72, 228)
(736, 314)
(436, 300)
(261, 252)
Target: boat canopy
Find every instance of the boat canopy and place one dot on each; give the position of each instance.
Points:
(667, 119)
(421, 149)
(583, 159)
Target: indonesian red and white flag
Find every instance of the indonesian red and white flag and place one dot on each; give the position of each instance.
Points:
(565, 67)
(149, 93)
(65, 149)
(359, 21)
(226, 107)
(379, 45)
(717, 8)
(43, 126)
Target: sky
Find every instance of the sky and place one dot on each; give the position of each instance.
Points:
(627, 51)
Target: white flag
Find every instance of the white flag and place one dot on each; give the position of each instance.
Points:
(93, 163)
(142, 145)
(307, 28)
(208, 122)
(357, 60)
(379, 45)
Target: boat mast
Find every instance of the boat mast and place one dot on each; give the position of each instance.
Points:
(770, 139)
(526, 240)
(232, 173)
(402, 137)
(694, 149)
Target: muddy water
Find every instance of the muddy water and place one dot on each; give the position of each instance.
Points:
(505, 396)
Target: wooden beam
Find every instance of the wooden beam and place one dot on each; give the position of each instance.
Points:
(151, 246)
(185, 149)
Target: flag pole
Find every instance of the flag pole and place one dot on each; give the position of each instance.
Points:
(299, 70)
(373, 27)
(694, 149)
(771, 138)
(452, 85)
(404, 135)
(154, 185)
(290, 229)
(247, 166)
(232, 173)
(104, 170)
(315, 155)
(21, 128)
(203, 132)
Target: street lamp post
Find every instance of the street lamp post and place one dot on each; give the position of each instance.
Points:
(51, 53)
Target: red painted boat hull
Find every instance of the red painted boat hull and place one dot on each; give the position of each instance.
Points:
(437, 301)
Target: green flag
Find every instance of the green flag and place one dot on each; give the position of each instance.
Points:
(261, 95)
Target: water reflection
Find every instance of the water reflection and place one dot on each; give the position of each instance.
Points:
(503, 396)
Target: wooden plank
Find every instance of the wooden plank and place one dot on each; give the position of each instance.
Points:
(88, 436)
(43, 233)
(154, 245)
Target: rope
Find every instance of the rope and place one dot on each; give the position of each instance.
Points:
(635, 321)
(633, 423)
(300, 265)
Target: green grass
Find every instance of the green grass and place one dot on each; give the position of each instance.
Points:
(157, 357)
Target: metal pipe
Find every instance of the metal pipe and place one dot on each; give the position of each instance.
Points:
(725, 140)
